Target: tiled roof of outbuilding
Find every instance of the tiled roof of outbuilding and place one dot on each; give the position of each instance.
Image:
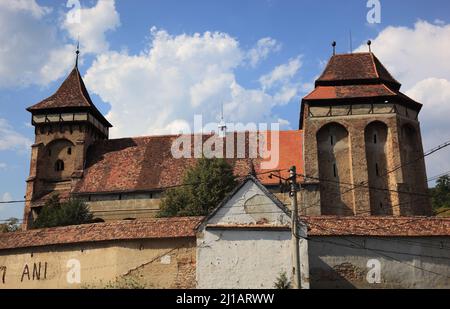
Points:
(377, 226)
(118, 230)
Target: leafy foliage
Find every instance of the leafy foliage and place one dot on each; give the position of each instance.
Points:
(204, 187)
(56, 213)
(440, 195)
(11, 225)
(282, 282)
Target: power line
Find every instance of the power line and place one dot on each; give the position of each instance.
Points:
(364, 183)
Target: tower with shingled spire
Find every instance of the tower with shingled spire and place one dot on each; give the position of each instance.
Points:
(66, 124)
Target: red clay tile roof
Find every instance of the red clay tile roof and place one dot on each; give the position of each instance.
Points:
(72, 94)
(355, 77)
(350, 91)
(118, 230)
(377, 226)
(351, 68)
(146, 163)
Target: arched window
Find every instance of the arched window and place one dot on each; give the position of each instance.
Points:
(69, 150)
(59, 166)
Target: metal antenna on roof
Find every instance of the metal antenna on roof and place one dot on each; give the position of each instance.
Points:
(369, 42)
(334, 47)
(222, 125)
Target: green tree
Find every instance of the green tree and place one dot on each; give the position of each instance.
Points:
(11, 225)
(440, 194)
(204, 186)
(56, 213)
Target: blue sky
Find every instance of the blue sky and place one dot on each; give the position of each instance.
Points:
(169, 60)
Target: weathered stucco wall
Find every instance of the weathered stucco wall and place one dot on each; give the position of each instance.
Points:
(162, 263)
(247, 243)
(404, 262)
(244, 259)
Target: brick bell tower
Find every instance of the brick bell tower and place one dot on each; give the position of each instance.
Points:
(362, 142)
(66, 124)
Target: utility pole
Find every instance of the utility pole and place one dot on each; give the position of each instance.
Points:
(294, 228)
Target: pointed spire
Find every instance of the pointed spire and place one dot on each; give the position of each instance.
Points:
(77, 53)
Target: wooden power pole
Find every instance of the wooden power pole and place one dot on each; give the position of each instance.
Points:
(294, 228)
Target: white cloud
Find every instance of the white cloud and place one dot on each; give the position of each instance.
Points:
(418, 57)
(28, 6)
(261, 51)
(2, 166)
(176, 76)
(6, 197)
(413, 54)
(31, 52)
(10, 139)
(281, 74)
(94, 22)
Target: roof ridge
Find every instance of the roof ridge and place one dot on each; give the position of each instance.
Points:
(203, 134)
(81, 86)
(377, 74)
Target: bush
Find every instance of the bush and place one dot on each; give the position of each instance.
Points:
(204, 186)
(282, 282)
(54, 213)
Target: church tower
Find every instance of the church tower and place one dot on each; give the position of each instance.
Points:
(66, 124)
(362, 143)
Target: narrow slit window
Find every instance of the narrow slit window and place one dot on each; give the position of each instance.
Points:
(331, 140)
(376, 169)
(59, 166)
(374, 138)
(381, 205)
(334, 170)
(69, 150)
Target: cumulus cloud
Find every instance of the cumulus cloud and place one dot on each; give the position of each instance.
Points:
(10, 139)
(418, 57)
(176, 76)
(31, 52)
(261, 51)
(92, 25)
(281, 74)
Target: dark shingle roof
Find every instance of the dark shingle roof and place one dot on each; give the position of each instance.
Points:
(73, 95)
